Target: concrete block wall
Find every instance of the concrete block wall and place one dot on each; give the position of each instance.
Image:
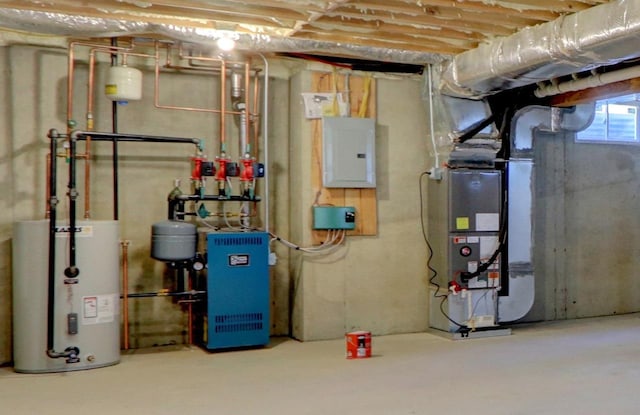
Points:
(376, 283)
(386, 298)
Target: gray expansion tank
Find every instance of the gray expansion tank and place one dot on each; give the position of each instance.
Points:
(173, 240)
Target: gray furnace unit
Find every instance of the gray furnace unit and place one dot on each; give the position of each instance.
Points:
(465, 219)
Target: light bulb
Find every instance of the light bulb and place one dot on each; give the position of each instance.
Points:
(226, 44)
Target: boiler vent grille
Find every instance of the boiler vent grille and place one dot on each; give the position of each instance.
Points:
(238, 240)
(229, 323)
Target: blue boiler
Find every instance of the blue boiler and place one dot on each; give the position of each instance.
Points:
(238, 290)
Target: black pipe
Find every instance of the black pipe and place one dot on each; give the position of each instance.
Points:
(176, 210)
(475, 129)
(70, 352)
(114, 123)
(180, 279)
(53, 201)
(218, 197)
(72, 270)
(176, 204)
(165, 294)
(101, 136)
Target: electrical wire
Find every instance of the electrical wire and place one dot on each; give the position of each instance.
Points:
(436, 294)
(502, 238)
(334, 239)
(205, 223)
(475, 306)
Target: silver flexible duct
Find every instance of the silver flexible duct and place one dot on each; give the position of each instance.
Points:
(601, 35)
(80, 26)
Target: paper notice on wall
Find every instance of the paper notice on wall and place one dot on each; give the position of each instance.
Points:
(321, 104)
(97, 309)
(487, 222)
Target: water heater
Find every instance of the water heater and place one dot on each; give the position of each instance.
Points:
(86, 314)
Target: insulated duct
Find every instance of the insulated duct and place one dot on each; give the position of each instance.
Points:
(81, 26)
(603, 35)
(526, 123)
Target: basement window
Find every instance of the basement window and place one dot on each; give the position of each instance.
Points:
(615, 121)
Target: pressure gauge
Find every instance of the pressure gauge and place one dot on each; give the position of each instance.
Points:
(197, 265)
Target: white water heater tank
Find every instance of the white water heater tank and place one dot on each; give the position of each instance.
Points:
(123, 83)
(86, 314)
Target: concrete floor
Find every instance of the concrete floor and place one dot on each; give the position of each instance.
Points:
(588, 366)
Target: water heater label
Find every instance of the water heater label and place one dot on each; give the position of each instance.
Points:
(238, 260)
(81, 231)
(97, 309)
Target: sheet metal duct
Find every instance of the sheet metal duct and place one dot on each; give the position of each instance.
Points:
(598, 36)
(81, 26)
(526, 123)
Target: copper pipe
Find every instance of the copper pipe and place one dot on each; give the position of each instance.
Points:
(70, 73)
(223, 86)
(182, 56)
(87, 148)
(92, 64)
(125, 293)
(156, 92)
(247, 118)
(90, 123)
(70, 69)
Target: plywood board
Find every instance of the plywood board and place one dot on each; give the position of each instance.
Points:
(364, 200)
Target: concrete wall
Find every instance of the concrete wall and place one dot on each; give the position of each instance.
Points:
(34, 91)
(587, 244)
(6, 208)
(374, 283)
(586, 240)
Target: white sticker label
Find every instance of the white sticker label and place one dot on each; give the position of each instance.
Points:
(473, 239)
(81, 231)
(472, 266)
(487, 222)
(99, 309)
(90, 307)
(488, 245)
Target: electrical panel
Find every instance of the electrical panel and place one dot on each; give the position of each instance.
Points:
(238, 289)
(334, 217)
(348, 152)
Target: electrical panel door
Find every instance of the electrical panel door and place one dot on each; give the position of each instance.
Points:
(349, 152)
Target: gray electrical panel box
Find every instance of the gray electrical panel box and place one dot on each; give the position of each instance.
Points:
(348, 152)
